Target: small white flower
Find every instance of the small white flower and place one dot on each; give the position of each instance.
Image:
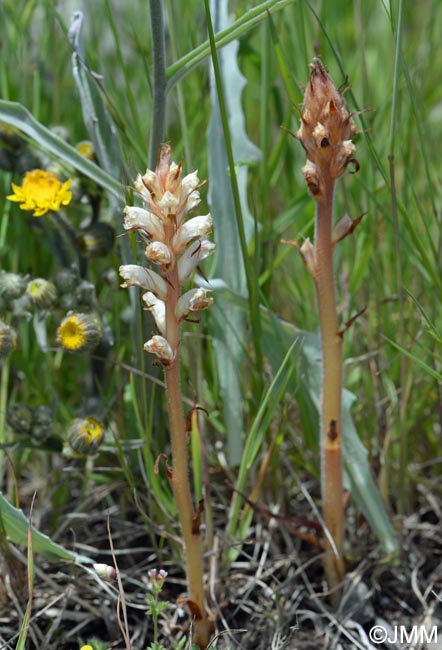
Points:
(144, 278)
(168, 204)
(193, 300)
(140, 219)
(196, 227)
(142, 190)
(159, 346)
(159, 253)
(196, 253)
(158, 309)
(149, 179)
(187, 205)
(189, 183)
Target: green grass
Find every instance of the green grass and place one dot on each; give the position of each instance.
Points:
(391, 265)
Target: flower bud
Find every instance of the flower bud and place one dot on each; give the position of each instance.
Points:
(86, 149)
(12, 285)
(312, 178)
(157, 579)
(106, 572)
(160, 254)
(308, 255)
(79, 332)
(7, 339)
(66, 280)
(85, 295)
(97, 240)
(42, 422)
(41, 293)
(19, 417)
(327, 127)
(159, 346)
(85, 435)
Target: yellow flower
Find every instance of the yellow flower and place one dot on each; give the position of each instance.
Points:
(41, 191)
(86, 647)
(79, 332)
(85, 435)
(86, 149)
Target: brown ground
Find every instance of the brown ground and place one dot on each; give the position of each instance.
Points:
(272, 598)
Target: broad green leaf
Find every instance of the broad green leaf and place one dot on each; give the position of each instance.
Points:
(15, 526)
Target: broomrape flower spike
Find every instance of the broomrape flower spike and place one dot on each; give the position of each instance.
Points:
(176, 246)
(41, 191)
(326, 133)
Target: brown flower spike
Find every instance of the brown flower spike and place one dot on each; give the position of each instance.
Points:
(326, 130)
(326, 133)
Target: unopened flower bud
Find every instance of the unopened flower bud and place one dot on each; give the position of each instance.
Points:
(105, 571)
(157, 579)
(97, 240)
(85, 295)
(342, 228)
(7, 339)
(159, 253)
(19, 417)
(41, 293)
(12, 285)
(86, 149)
(66, 280)
(42, 422)
(312, 178)
(308, 255)
(159, 346)
(327, 127)
(85, 435)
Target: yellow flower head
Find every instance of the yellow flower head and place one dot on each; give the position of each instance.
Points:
(79, 332)
(41, 293)
(86, 148)
(41, 191)
(86, 647)
(85, 435)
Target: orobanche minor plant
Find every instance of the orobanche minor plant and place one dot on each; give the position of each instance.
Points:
(326, 133)
(176, 246)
